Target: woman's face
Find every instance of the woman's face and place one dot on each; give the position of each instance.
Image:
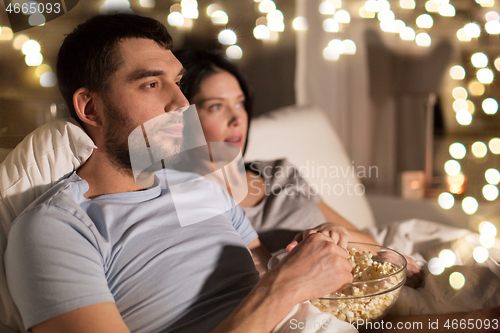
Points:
(221, 108)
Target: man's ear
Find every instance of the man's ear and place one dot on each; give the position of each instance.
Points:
(85, 107)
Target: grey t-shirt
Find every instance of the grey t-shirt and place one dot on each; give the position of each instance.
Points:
(289, 204)
(65, 252)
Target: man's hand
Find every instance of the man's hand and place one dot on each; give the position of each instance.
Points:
(316, 266)
(336, 232)
(414, 274)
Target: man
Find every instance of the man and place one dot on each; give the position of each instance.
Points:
(99, 253)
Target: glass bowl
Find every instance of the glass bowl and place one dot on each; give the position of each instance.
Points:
(360, 302)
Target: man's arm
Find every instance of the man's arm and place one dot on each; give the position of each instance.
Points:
(314, 268)
(260, 256)
(101, 317)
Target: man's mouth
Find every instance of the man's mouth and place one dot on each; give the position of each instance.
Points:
(174, 130)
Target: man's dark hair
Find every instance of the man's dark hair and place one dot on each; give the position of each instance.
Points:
(89, 55)
(201, 64)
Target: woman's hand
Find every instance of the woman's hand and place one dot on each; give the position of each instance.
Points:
(336, 232)
(414, 274)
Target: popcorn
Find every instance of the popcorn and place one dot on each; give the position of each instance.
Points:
(364, 308)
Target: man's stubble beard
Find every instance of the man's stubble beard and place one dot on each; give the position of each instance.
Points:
(116, 141)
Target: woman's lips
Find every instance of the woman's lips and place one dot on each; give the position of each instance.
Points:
(237, 139)
(175, 130)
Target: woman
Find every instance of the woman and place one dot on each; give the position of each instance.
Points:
(224, 103)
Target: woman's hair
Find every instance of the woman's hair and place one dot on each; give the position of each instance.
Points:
(200, 65)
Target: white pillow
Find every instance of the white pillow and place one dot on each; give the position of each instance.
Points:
(45, 156)
(304, 136)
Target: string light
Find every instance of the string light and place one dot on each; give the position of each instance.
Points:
(494, 146)
(407, 4)
(300, 23)
(490, 106)
(479, 60)
(447, 257)
(407, 34)
(457, 280)
(479, 149)
(446, 200)
(464, 117)
(234, 52)
(485, 75)
(331, 25)
(342, 16)
(423, 39)
(424, 21)
(492, 176)
(469, 205)
(457, 150)
(219, 17)
(327, 8)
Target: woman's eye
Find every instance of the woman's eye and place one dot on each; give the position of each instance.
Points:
(215, 107)
(241, 104)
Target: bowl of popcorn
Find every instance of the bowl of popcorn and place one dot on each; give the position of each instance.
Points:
(379, 274)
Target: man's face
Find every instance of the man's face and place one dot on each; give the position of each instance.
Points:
(143, 90)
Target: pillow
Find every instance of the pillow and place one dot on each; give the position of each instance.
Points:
(44, 157)
(304, 136)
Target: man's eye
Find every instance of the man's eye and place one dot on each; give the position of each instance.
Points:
(241, 104)
(152, 85)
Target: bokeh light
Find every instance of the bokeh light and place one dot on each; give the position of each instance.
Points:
(490, 192)
(175, 19)
(497, 63)
(480, 254)
(342, 16)
(490, 106)
(432, 6)
(485, 75)
(48, 79)
(407, 4)
(227, 37)
(349, 46)
(327, 8)
(31, 46)
(234, 52)
(212, 8)
(407, 33)
(266, 6)
(479, 60)
(457, 72)
(459, 93)
(472, 30)
(476, 88)
(261, 32)
(6, 33)
(386, 15)
(492, 16)
(447, 10)
(492, 27)
(486, 242)
(435, 266)
(452, 167)
(462, 35)
(457, 150)
(423, 39)
(331, 25)
(447, 257)
(33, 59)
(457, 280)
(219, 17)
(42, 69)
(487, 229)
(300, 23)
(469, 205)
(492, 176)
(446, 200)
(460, 104)
(464, 117)
(424, 21)
(479, 149)
(494, 145)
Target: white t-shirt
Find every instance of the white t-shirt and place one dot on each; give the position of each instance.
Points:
(65, 252)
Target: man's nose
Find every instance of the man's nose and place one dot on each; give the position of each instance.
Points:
(178, 101)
